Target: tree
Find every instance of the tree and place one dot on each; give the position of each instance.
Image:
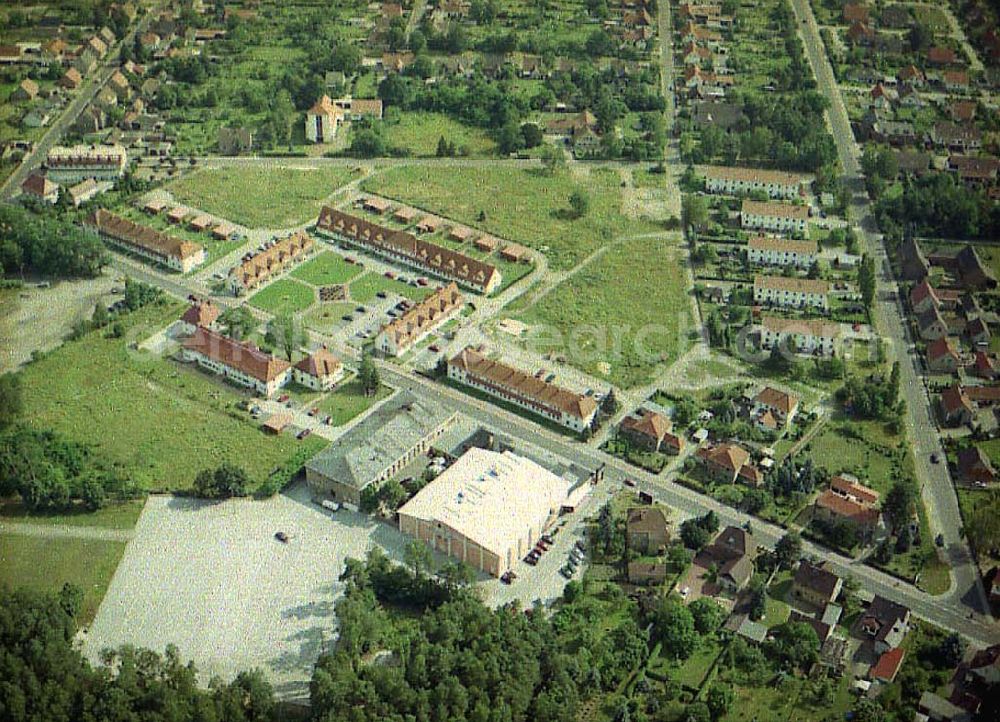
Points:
(694, 211)
(867, 280)
(708, 615)
(237, 323)
(579, 202)
(674, 626)
(757, 599)
(553, 158)
(510, 140)
(418, 558)
(392, 494)
(900, 504)
(369, 376)
(788, 549)
(225, 481)
(532, 134)
(719, 699)
(283, 332)
(867, 709)
(11, 399)
(694, 536)
(795, 644)
(572, 591)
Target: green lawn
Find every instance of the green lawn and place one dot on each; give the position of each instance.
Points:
(348, 400)
(284, 296)
(271, 197)
(326, 269)
(367, 286)
(161, 421)
(418, 132)
(692, 671)
(632, 316)
(116, 516)
(524, 205)
(44, 565)
(327, 317)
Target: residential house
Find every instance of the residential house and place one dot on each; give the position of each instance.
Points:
(882, 97)
(241, 363)
(913, 263)
(931, 324)
(974, 466)
(738, 181)
(38, 186)
(912, 163)
(885, 623)
(651, 430)
(85, 190)
(319, 371)
(92, 119)
(861, 34)
(723, 462)
(984, 366)
(408, 329)
(896, 16)
(566, 408)
(71, 165)
(174, 253)
(956, 407)
(956, 137)
(718, 114)
(941, 56)
(406, 248)
(323, 120)
(772, 251)
(848, 501)
(26, 90)
(646, 530)
(780, 404)
(816, 585)
(855, 13)
(955, 81)
(942, 356)
(791, 292)
(732, 552)
(913, 76)
(935, 708)
(807, 336)
(515, 253)
(923, 296)
(887, 666)
(978, 333)
(975, 170)
(773, 216)
(254, 269)
(202, 314)
(119, 85)
(71, 79)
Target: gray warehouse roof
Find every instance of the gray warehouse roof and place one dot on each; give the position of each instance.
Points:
(364, 452)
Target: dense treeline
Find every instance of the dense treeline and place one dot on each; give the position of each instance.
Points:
(938, 205)
(47, 244)
(44, 679)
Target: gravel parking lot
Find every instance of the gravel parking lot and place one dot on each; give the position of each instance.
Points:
(212, 579)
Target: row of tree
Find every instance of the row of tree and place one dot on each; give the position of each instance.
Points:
(47, 244)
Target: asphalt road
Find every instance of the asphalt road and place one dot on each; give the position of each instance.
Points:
(938, 493)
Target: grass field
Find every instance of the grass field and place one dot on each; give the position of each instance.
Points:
(116, 516)
(348, 400)
(326, 269)
(419, 132)
(631, 316)
(326, 317)
(44, 565)
(271, 197)
(364, 288)
(523, 205)
(161, 421)
(284, 296)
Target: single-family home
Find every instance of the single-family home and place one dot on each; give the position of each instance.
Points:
(815, 584)
(723, 462)
(323, 120)
(885, 622)
(650, 430)
(38, 186)
(320, 370)
(974, 466)
(646, 530)
(732, 553)
(780, 404)
(942, 356)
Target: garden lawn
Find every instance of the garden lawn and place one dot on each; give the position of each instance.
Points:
(326, 269)
(628, 309)
(261, 197)
(113, 516)
(44, 564)
(691, 673)
(161, 421)
(327, 317)
(284, 296)
(418, 132)
(524, 205)
(364, 288)
(348, 400)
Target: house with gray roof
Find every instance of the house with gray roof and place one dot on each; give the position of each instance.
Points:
(377, 448)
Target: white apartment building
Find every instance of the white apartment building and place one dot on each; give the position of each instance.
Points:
(736, 181)
(773, 251)
(774, 216)
(815, 337)
(67, 166)
(791, 292)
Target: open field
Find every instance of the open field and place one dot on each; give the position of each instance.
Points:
(161, 421)
(631, 316)
(326, 269)
(418, 132)
(115, 516)
(348, 400)
(44, 565)
(284, 296)
(268, 197)
(523, 205)
(364, 288)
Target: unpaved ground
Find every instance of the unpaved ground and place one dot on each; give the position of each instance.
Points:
(38, 319)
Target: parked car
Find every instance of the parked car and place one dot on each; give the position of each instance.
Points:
(283, 398)
(347, 317)
(360, 309)
(303, 434)
(330, 504)
(328, 420)
(281, 536)
(629, 482)
(434, 348)
(566, 572)
(314, 410)
(381, 294)
(422, 281)
(507, 577)
(935, 459)
(532, 560)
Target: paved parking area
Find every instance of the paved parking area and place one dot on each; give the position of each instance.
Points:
(212, 579)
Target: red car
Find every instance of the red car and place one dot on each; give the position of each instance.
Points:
(390, 274)
(422, 281)
(314, 410)
(283, 398)
(434, 347)
(303, 434)
(629, 482)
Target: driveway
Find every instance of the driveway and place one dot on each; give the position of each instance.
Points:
(212, 579)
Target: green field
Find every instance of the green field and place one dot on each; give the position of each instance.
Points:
(418, 132)
(630, 315)
(161, 421)
(326, 317)
(524, 205)
(115, 516)
(45, 564)
(270, 197)
(364, 288)
(326, 269)
(284, 296)
(348, 400)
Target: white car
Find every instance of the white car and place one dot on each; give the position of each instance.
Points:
(330, 504)
(684, 592)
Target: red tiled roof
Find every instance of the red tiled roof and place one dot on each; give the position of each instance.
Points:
(406, 328)
(246, 358)
(776, 399)
(320, 364)
(851, 487)
(888, 665)
(203, 313)
(650, 424)
(844, 507)
(145, 237)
